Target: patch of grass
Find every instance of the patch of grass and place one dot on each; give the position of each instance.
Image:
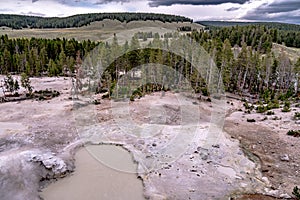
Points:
(100, 30)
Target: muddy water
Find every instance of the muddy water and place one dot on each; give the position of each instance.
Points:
(98, 176)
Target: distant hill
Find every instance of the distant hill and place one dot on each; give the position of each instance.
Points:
(275, 25)
(21, 21)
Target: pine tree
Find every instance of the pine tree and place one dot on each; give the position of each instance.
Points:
(26, 83)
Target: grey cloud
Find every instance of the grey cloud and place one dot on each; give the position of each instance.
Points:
(232, 9)
(279, 10)
(88, 2)
(109, 1)
(156, 3)
(33, 14)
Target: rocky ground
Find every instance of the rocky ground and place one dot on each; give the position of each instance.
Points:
(267, 140)
(177, 140)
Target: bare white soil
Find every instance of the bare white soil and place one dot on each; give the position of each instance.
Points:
(178, 142)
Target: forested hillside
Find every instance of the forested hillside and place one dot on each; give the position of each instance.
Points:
(19, 21)
(259, 37)
(270, 25)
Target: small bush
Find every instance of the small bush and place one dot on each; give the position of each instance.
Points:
(247, 111)
(273, 105)
(205, 92)
(286, 107)
(132, 98)
(261, 109)
(246, 105)
(276, 118)
(251, 120)
(297, 116)
(264, 119)
(270, 112)
(296, 193)
(295, 133)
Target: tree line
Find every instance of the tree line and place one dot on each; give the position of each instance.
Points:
(243, 56)
(270, 25)
(37, 57)
(258, 37)
(20, 21)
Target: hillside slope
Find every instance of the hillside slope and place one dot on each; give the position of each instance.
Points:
(276, 25)
(99, 30)
(20, 21)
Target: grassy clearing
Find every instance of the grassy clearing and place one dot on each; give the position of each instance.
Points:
(292, 53)
(98, 30)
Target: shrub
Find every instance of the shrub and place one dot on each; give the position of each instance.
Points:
(297, 116)
(270, 112)
(205, 92)
(276, 118)
(247, 106)
(251, 120)
(131, 98)
(295, 133)
(247, 111)
(286, 107)
(264, 119)
(273, 105)
(296, 193)
(261, 109)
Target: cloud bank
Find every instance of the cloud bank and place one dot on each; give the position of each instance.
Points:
(233, 10)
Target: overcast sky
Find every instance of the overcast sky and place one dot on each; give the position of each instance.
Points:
(256, 10)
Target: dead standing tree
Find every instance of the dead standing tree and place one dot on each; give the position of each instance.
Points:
(3, 91)
(76, 77)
